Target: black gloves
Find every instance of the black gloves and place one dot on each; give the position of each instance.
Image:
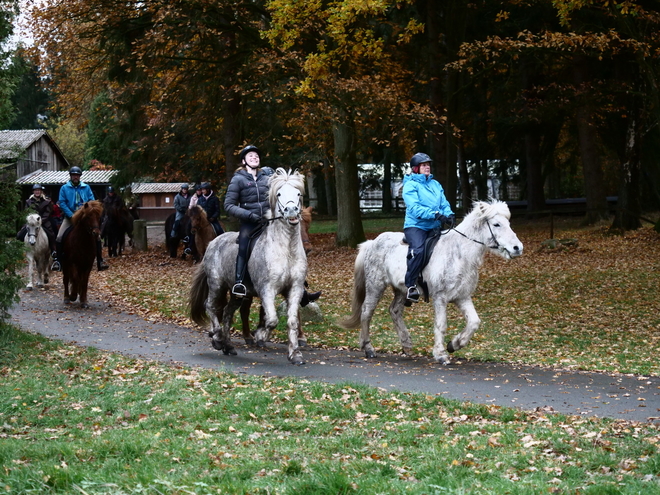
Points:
(254, 218)
(440, 217)
(451, 221)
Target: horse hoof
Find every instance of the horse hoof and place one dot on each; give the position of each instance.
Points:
(407, 351)
(29, 287)
(370, 354)
(217, 345)
(302, 342)
(67, 301)
(261, 343)
(450, 347)
(211, 333)
(229, 351)
(84, 305)
(443, 360)
(249, 341)
(297, 360)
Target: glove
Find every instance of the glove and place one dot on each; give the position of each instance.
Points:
(451, 221)
(254, 218)
(439, 217)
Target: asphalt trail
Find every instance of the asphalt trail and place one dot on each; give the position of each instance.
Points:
(102, 326)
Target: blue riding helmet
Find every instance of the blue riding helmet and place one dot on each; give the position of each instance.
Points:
(418, 159)
(37, 186)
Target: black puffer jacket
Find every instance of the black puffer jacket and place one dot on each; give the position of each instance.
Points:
(246, 198)
(211, 205)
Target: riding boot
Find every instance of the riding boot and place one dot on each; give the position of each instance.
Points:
(239, 290)
(57, 255)
(100, 264)
(308, 298)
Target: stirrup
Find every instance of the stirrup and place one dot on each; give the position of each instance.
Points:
(102, 265)
(413, 294)
(239, 290)
(56, 267)
(185, 240)
(187, 251)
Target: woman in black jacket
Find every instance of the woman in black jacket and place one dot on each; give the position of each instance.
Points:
(247, 200)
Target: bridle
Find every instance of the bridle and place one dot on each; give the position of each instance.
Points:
(497, 244)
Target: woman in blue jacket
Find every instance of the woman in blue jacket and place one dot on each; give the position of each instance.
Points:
(426, 209)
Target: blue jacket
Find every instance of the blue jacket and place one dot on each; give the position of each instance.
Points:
(424, 197)
(72, 197)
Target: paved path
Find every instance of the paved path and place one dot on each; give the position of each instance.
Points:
(104, 327)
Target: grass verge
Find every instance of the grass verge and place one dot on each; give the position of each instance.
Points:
(78, 421)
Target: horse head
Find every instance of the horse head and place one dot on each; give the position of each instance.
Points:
(492, 219)
(286, 192)
(33, 226)
(89, 216)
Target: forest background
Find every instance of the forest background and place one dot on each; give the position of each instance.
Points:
(559, 97)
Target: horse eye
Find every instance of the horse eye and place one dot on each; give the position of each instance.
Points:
(279, 194)
(497, 225)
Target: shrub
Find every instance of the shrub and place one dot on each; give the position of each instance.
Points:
(11, 251)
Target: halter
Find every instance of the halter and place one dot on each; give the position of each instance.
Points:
(497, 244)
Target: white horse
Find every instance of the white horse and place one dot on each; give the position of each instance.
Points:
(451, 274)
(278, 265)
(37, 252)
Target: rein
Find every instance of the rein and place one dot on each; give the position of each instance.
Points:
(496, 246)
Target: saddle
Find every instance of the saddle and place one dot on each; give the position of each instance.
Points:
(429, 246)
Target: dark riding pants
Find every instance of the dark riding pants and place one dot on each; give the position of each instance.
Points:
(416, 239)
(245, 229)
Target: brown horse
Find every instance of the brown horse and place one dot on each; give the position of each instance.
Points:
(247, 301)
(79, 247)
(201, 228)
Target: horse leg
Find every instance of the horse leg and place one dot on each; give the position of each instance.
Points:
(396, 312)
(293, 325)
(262, 334)
(30, 257)
(371, 299)
(65, 282)
(439, 329)
(245, 320)
(472, 322)
(84, 282)
(221, 339)
(302, 338)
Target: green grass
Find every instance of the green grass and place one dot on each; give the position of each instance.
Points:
(83, 421)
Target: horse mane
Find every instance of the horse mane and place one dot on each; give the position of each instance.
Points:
(33, 216)
(197, 214)
(486, 210)
(281, 177)
(94, 207)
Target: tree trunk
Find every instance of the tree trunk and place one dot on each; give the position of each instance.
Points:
(535, 193)
(466, 188)
(328, 180)
(588, 141)
(629, 207)
(387, 181)
(230, 131)
(349, 224)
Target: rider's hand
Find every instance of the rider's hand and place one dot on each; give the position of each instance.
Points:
(451, 221)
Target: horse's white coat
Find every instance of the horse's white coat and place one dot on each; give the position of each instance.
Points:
(278, 265)
(451, 274)
(37, 252)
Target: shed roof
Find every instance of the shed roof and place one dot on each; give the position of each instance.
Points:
(156, 187)
(62, 176)
(12, 143)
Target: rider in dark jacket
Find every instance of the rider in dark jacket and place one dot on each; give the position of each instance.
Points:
(211, 204)
(43, 206)
(247, 200)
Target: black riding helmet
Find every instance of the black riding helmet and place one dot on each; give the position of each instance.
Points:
(37, 186)
(246, 150)
(417, 160)
(75, 170)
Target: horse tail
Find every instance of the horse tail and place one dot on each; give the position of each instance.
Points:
(199, 292)
(359, 289)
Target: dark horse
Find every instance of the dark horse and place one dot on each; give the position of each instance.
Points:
(182, 233)
(79, 246)
(120, 224)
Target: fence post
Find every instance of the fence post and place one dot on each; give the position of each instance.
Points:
(140, 235)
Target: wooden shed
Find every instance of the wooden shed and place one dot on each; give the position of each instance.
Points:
(156, 198)
(29, 151)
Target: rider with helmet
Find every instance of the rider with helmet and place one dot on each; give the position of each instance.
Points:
(181, 202)
(426, 209)
(211, 204)
(247, 199)
(73, 195)
(43, 206)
